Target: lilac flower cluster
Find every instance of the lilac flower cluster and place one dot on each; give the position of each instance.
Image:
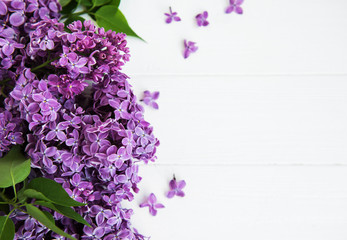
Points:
(10, 131)
(83, 125)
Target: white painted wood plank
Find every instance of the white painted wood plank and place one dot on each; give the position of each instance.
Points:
(270, 37)
(246, 203)
(250, 119)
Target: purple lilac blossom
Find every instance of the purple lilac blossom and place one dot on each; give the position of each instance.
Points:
(176, 188)
(78, 118)
(152, 204)
(234, 6)
(189, 47)
(150, 99)
(172, 16)
(201, 19)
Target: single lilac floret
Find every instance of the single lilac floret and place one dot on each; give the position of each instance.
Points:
(189, 47)
(234, 6)
(201, 19)
(172, 16)
(152, 204)
(176, 188)
(149, 99)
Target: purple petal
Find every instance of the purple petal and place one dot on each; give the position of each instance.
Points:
(50, 136)
(53, 6)
(180, 193)
(168, 20)
(7, 50)
(239, 2)
(186, 53)
(38, 97)
(159, 205)
(238, 10)
(152, 198)
(181, 184)
(17, 19)
(171, 194)
(3, 8)
(51, 151)
(156, 95)
(145, 204)
(155, 105)
(61, 136)
(229, 9)
(6, 63)
(152, 211)
(99, 232)
(112, 221)
(177, 19)
(173, 184)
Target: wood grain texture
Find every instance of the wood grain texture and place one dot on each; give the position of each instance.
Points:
(270, 37)
(244, 203)
(254, 121)
(249, 119)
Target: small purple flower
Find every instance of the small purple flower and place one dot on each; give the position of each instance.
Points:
(91, 233)
(176, 188)
(189, 47)
(73, 141)
(172, 16)
(234, 6)
(149, 99)
(152, 204)
(121, 109)
(201, 19)
(77, 65)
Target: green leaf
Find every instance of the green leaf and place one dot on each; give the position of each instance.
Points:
(109, 18)
(63, 3)
(20, 194)
(14, 168)
(51, 191)
(69, 8)
(4, 208)
(86, 3)
(49, 216)
(97, 3)
(115, 3)
(6, 228)
(66, 211)
(43, 218)
(32, 193)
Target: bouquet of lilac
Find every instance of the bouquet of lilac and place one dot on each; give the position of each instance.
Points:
(66, 105)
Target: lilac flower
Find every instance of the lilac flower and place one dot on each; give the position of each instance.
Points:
(121, 109)
(189, 47)
(91, 233)
(77, 65)
(119, 157)
(234, 6)
(172, 16)
(149, 99)
(152, 204)
(176, 188)
(71, 134)
(73, 141)
(201, 19)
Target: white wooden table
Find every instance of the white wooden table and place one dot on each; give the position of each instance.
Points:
(255, 121)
